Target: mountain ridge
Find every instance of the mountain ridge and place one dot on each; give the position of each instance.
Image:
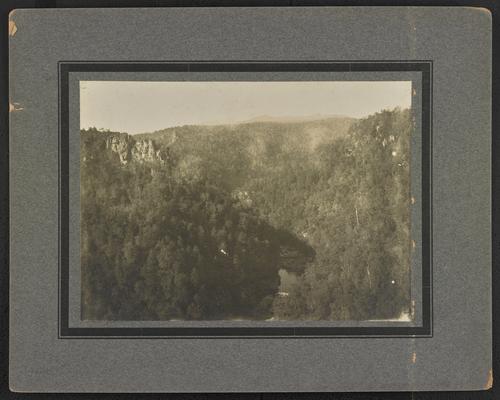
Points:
(308, 133)
(265, 119)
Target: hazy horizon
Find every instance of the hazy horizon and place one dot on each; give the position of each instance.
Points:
(147, 106)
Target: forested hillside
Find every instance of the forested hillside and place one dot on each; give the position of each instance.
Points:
(298, 220)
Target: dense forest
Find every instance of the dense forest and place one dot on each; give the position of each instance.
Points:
(262, 220)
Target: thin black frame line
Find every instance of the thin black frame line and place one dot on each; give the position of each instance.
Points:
(248, 62)
(420, 332)
(63, 140)
(64, 68)
(220, 66)
(59, 199)
(412, 336)
(426, 193)
(431, 215)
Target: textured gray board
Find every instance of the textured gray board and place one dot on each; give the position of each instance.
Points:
(458, 356)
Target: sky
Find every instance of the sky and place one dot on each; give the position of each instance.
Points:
(139, 106)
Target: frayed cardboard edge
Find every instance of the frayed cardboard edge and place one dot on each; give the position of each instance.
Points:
(489, 382)
(15, 107)
(12, 27)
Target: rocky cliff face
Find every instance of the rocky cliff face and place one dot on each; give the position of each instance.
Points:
(129, 149)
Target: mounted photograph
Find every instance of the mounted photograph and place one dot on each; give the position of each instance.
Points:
(245, 200)
(250, 200)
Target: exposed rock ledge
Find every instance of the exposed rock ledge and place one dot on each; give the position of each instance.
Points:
(129, 149)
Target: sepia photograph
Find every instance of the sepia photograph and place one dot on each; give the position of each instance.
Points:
(245, 200)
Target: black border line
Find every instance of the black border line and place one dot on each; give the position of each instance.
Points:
(65, 332)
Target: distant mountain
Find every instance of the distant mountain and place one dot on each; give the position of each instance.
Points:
(292, 119)
(307, 132)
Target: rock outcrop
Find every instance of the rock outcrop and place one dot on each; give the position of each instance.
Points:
(130, 149)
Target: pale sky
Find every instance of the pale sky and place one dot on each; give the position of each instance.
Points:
(137, 107)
